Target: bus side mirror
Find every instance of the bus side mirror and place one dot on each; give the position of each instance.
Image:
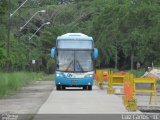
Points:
(95, 53)
(52, 52)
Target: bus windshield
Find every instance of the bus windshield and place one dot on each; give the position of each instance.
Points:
(75, 61)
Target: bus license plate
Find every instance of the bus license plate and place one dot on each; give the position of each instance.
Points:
(73, 81)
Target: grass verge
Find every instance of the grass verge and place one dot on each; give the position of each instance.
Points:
(158, 82)
(137, 73)
(10, 82)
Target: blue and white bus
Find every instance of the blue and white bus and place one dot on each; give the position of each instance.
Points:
(75, 55)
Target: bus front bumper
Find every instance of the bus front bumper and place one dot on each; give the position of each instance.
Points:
(74, 81)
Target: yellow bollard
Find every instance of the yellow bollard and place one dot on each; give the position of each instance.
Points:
(110, 89)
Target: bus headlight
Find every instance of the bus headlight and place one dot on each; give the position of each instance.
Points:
(89, 75)
(59, 75)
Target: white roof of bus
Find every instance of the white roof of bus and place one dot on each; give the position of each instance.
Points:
(72, 36)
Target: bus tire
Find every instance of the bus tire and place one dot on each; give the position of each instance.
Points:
(58, 87)
(63, 87)
(84, 87)
(89, 87)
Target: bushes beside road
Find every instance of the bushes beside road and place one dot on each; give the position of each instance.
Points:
(10, 82)
(137, 73)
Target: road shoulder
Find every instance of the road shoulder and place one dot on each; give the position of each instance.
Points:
(28, 99)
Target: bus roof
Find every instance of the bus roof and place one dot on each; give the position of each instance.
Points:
(74, 36)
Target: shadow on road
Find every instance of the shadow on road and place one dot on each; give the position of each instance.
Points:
(73, 89)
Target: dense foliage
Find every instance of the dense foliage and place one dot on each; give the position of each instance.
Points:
(125, 31)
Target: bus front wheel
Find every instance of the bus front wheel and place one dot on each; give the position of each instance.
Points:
(84, 87)
(58, 87)
(63, 87)
(89, 87)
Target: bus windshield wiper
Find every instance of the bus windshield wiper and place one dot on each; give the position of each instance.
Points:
(80, 65)
(69, 66)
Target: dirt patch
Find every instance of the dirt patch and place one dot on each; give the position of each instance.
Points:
(28, 99)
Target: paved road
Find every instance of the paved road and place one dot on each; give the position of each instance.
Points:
(76, 104)
(82, 102)
(34, 99)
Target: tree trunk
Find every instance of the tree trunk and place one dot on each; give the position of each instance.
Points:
(62, 1)
(132, 60)
(116, 59)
